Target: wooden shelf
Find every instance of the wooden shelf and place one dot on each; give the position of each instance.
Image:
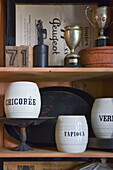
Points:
(53, 74)
(4, 152)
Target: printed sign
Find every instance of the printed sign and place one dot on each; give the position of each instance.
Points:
(54, 19)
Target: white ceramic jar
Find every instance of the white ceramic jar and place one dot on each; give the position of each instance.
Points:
(22, 100)
(102, 117)
(71, 134)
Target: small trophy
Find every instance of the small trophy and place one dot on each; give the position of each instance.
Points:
(101, 18)
(72, 37)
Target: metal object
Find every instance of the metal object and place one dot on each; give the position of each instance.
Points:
(100, 143)
(72, 36)
(101, 18)
(40, 51)
(23, 123)
(94, 165)
(41, 33)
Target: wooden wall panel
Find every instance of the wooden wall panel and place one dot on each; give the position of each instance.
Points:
(97, 89)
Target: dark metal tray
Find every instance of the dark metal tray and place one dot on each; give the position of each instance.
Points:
(100, 143)
(55, 101)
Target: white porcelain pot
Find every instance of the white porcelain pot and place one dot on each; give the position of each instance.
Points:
(22, 100)
(102, 117)
(71, 134)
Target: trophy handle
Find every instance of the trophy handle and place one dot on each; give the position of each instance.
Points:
(86, 14)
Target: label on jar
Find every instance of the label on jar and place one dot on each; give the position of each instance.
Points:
(20, 101)
(73, 133)
(106, 118)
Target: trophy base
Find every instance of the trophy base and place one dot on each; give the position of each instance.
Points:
(102, 42)
(72, 60)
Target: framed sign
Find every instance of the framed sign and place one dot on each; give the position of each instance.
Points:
(54, 18)
(22, 17)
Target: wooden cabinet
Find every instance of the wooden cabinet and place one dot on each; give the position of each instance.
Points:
(96, 81)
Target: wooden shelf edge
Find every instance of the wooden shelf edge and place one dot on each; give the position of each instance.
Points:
(56, 69)
(53, 74)
(8, 153)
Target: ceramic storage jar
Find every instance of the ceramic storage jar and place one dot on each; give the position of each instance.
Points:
(102, 117)
(22, 100)
(71, 134)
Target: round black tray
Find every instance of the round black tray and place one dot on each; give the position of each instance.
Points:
(24, 122)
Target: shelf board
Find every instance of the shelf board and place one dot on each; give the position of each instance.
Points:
(4, 152)
(49, 74)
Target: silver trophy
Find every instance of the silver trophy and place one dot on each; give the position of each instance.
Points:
(101, 19)
(72, 37)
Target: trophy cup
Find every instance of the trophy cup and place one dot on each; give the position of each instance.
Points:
(72, 36)
(101, 18)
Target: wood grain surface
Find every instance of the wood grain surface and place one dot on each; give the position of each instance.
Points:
(97, 57)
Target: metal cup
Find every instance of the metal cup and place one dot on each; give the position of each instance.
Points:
(72, 36)
(101, 18)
